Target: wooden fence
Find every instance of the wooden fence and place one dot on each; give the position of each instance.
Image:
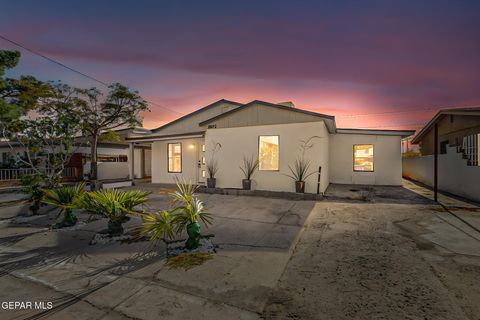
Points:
(17, 174)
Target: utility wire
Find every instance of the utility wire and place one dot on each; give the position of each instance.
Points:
(75, 70)
(171, 110)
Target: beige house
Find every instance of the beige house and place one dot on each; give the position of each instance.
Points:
(277, 135)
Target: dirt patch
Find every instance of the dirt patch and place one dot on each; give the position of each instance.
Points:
(352, 263)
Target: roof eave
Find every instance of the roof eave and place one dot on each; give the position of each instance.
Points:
(386, 132)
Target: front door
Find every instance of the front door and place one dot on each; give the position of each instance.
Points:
(201, 164)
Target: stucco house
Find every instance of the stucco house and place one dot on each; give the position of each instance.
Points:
(449, 153)
(276, 134)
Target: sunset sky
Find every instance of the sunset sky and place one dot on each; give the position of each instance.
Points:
(372, 64)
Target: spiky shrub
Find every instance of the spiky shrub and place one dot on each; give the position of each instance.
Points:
(156, 225)
(187, 211)
(212, 168)
(114, 205)
(249, 166)
(66, 198)
(299, 171)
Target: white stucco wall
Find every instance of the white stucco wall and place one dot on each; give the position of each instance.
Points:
(112, 170)
(454, 175)
(148, 162)
(190, 156)
(243, 141)
(104, 151)
(387, 159)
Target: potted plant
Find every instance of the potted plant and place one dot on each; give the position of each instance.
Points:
(184, 217)
(248, 168)
(212, 169)
(299, 173)
(114, 205)
(66, 198)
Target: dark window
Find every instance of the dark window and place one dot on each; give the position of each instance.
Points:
(443, 147)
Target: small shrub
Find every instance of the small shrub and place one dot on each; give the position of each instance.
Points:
(114, 205)
(66, 198)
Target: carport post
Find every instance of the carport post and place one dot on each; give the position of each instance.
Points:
(435, 165)
(131, 162)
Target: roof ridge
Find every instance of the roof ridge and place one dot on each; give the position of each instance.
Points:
(195, 112)
(268, 104)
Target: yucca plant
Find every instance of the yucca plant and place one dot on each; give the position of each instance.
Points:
(248, 168)
(299, 173)
(114, 205)
(188, 213)
(66, 198)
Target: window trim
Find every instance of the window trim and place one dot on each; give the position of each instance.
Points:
(181, 157)
(258, 150)
(373, 157)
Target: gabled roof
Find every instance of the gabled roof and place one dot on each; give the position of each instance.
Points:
(196, 112)
(268, 104)
(470, 111)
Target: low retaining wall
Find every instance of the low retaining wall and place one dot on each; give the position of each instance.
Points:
(262, 193)
(454, 176)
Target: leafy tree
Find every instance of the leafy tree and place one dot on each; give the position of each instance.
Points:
(17, 96)
(47, 134)
(48, 138)
(101, 114)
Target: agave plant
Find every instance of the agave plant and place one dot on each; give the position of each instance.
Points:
(66, 198)
(114, 205)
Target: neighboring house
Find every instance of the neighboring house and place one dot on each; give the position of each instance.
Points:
(227, 131)
(113, 159)
(458, 144)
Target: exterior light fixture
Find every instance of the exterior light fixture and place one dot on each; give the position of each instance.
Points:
(191, 146)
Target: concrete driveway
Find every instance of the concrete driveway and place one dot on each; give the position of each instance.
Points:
(123, 281)
(362, 253)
